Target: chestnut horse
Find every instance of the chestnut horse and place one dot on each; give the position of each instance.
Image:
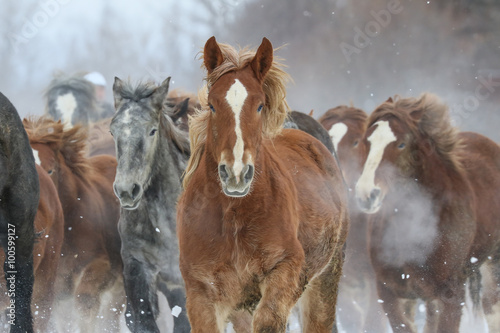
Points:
(90, 261)
(19, 196)
(49, 231)
(358, 299)
(434, 195)
(100, 140)
(263, 218)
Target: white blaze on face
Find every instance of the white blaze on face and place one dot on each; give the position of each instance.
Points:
(379, 139)
(337, 132)
(37, 158)
(66, 104)
(235, 97)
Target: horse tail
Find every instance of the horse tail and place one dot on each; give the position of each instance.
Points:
(475, 289)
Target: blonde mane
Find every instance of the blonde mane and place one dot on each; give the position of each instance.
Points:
(274, 113)
(72, 143)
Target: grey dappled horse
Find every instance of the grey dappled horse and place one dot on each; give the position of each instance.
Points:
(19, 195)
(152, 154)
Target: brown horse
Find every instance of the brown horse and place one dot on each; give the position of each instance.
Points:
(263, 217)
(358, 299)
(434, 195)
(181, 105)
(49, 229)
(90, 260)
(100, 140)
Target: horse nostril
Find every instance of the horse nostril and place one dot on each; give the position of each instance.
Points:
(136, 189)
(374, 194)
(223, 173)
(248, 174)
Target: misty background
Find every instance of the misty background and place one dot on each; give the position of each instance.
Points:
(337, 51)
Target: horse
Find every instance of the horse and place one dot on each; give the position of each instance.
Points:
(308, 124)
(100, 141)
(433, 195)
(358, 297)
(90, 263)
(19, 197)
(49, 233)
(152, 155)
(262, 220)
(180, 106)
(72, 99)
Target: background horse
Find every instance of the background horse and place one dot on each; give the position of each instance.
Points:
(90, 264)
(180, 106)
(276, 230)
(152, 154)
(100, 139)
(434, 194)
(72, 99)
(308, 124)
(49, 231)
(19, 196)
(359, 310)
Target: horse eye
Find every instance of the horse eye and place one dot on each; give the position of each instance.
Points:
(401, 145)
(153, 132)
(355, 143)
(50, 172)
(260, 108)
(111, 133)
(212, 108)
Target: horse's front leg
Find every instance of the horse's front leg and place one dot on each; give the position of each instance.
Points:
(174, 291)
(396, 309)
(142, 299)
(281, 288)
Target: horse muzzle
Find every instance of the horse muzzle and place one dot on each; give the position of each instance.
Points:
(236, 185)
(369, 201)
(129, 194)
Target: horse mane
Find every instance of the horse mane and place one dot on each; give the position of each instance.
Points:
(274, 114)
(433, 123)
(342, 113)
(72, 143)
(142, 90)
(73, 82)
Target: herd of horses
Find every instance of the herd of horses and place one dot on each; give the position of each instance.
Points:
(228, 208)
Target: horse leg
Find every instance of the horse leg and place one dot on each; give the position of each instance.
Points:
(394, 307)
(96, 277)
(242, 321)
(319, 300)
(449, 318)
(142, 298)
(176, 297)
(491, 294)
(432, 316)
(280, 290)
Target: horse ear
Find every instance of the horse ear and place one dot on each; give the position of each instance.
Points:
(117, 96)
(263, 59)
(389, 100)
(311, 113)
(417, 114)
(160, 95)
(212, 55)
(182, 108)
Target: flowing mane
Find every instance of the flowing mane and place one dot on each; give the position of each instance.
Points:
(432, 123)
(342, 113)
(72, 142)
(274, 113)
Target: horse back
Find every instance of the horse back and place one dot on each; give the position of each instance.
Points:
(481, 161)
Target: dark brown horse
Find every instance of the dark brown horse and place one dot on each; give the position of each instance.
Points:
(358, 299)
(180, 105)
(90, 262)
(263, 217)
(434, 195)
(49, 231)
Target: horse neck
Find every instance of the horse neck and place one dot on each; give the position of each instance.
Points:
(168, 165)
